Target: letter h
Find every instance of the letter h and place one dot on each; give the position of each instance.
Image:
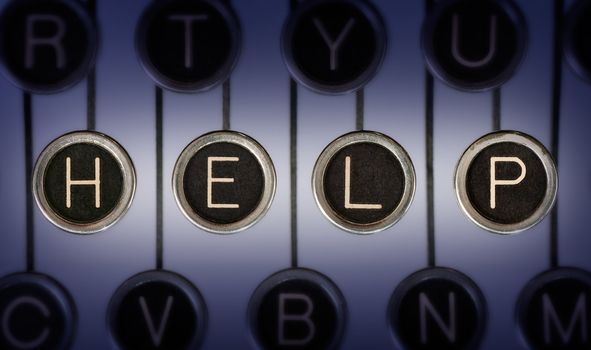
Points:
(96, 182)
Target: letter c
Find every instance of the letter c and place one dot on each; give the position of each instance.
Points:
(10, 309)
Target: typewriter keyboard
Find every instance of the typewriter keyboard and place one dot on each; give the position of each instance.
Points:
(315, 174)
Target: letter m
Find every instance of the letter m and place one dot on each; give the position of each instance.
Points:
(551, 318)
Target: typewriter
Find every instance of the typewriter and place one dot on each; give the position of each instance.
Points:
(315, 174)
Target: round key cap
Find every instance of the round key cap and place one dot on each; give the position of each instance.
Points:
(506, 182)
(36, 312)
(334, 46)
(437, 308)
(46, 46)
(157, 310)
(224, 182)
(364, 182)
(554, 310)
(474, 45)
(84, 182)
(188, 46)
(576, 35)
(297, 309)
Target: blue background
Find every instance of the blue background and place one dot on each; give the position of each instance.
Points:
(367, 269)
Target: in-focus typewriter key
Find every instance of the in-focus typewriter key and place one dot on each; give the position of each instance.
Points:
(577, 33)
(46, 46)
(84, 182)
(554, 310)
(506, 182)
(188, 46)
(157, 310)
(224, 182)
(334, 46)
(297, 309)
(474, 45)
(437, 308)
(35, 313)
(364, 182)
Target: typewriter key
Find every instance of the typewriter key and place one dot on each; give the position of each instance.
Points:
(224, 182)
(334, 46)
(84, 182)
(364, 182)
(437, 308)
(46, 46)
(188, 46)
(506, 182)
(297, 309)
(35, 313)
(157, 310)
(554, 310)
(577, 32)
(474, 45)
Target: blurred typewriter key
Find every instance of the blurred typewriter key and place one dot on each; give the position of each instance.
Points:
(224, 182)
(506, 182)
(577, 32)
(46, 46)
(334, 46)
(364, 182)
(554, 310)
(36, 313)
(84, 182)
(437, 308)
(297, 309)
(188, 46)
(157, 310)
(474, 45)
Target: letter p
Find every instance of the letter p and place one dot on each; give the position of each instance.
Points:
(494, 182)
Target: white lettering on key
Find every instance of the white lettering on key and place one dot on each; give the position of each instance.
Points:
(7, 315)
(493, 179)
(348, 204)
(334, 46)
(492, 45)
(565, 333)
(450, 329)
(304, 317)
(188, 21)
(54, 41)
(96, 182)
(211, 180)
(156, 334)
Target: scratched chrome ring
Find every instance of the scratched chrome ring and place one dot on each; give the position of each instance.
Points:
(363, 137)
(462, 173)
(264, 161)
(125, 166)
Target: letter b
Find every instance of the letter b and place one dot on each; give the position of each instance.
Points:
(284, 317)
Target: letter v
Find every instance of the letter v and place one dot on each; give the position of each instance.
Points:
(156, 334)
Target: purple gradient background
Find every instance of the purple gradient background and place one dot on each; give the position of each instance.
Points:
(367, 269)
